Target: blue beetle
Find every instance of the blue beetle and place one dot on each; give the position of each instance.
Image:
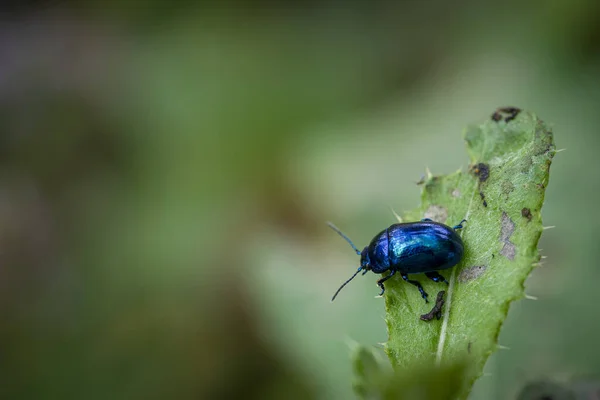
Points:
(409, 248)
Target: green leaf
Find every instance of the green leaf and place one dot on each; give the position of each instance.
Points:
(371, 373)
(376, 380)
(501, 196)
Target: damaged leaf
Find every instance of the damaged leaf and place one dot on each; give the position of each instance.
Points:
(510, 160)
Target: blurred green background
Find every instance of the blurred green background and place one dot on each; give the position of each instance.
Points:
(166, 171)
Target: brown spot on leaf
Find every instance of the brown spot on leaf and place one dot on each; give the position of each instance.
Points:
(483, 199)
(436, 213)
(526, 213)
(482, 171)
(507, 188)
(509, 250)
(509, 114)
(468, 274)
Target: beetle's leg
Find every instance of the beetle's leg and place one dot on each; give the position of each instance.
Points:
(418, 285)
(460, 226)
(436, 277)
(425, 219)
(385, 278)
(365, 271)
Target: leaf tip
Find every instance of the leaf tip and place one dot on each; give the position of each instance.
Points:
(399, 218)
(428, 173)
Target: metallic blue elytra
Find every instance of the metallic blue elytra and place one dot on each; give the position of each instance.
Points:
(410, 248)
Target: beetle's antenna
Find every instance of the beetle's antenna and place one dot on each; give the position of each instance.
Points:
(335, 228)
(345, 283)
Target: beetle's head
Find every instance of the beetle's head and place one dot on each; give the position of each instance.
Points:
(365, 263)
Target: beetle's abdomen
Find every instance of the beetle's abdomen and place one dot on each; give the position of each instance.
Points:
(423, 247)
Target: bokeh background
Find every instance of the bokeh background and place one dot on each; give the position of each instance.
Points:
(166, 171)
